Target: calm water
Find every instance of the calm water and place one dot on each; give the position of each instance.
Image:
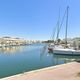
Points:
(15, 60)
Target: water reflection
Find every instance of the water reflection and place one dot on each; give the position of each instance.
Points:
(11, 49)
(65, 58)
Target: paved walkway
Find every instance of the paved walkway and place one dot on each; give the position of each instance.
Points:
(69, 71)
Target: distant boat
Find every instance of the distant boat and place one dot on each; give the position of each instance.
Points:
(63, 50)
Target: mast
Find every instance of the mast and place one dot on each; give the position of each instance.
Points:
(66, 27)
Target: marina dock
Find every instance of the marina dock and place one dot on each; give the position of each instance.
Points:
(69, 71)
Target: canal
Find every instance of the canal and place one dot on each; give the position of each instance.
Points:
(20, 59)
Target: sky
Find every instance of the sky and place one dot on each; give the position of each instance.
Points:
(36, 19)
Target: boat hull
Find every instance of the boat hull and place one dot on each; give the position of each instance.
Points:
(64, 51)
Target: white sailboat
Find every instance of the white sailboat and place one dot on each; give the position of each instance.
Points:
(63, 50)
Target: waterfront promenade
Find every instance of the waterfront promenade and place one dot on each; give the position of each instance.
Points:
(69, 71)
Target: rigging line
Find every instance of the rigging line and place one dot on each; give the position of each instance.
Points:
(58, 25)
(61, 23)
(66, 26)
(54, 31)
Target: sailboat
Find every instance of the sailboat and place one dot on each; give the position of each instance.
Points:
(63, 50)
